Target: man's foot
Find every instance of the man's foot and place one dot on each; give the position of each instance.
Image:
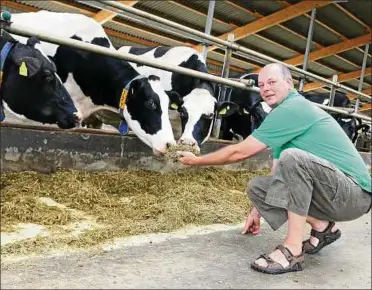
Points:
(320, 237)
(282, 260)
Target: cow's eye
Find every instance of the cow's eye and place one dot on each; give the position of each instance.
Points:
(48, 75)
(151, 104)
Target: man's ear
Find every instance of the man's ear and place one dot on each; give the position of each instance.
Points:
(175, 100)
(226, 109)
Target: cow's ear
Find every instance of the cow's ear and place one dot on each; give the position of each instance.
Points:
(7, 37)
(175, 100)
(32, 41)
(28, 66)
(226, 109)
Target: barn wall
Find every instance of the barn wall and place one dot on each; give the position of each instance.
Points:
(49, 150)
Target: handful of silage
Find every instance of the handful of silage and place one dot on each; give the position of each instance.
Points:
(171, 154)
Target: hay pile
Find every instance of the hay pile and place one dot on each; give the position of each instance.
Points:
(172, 156)
(122, 203)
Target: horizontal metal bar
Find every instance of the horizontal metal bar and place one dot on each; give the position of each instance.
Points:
(24, 31)
(343, 111)
(230, 45)
(17, 29)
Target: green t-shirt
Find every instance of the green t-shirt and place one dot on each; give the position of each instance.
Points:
(298, 123)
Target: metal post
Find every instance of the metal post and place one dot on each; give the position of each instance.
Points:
(208, 25)
(247, 53)
(52, 38)
(333, 91)
(222, 92)
(308, 45)
(360, 86)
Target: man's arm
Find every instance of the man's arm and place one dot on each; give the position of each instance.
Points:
(229, 154)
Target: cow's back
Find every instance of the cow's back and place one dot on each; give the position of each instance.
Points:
(175, 56)
(60, 24)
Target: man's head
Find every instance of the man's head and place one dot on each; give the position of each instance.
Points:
(275, 82)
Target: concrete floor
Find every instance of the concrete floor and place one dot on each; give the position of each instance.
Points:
(219, 259)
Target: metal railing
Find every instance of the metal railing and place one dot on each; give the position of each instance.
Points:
(223, 43)
(24, 31)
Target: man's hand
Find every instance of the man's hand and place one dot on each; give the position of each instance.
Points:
(252, 223)
(187, 158)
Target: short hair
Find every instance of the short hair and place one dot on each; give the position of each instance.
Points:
(286, 73)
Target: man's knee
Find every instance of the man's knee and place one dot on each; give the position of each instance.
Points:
(293, 156)
(255, 186)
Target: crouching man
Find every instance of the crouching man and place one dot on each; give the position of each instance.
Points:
(318, 177)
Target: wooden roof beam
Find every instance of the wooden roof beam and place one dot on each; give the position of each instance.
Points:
(332, 49)
(366, 107)
(105, 15)
(285, 3)
(317, 45)
(272, 20)
(367, 91)
(341, 78)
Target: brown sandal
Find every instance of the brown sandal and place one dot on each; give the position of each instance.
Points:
(325, 238)
(295, 263)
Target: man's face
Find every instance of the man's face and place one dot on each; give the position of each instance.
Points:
(273, 87)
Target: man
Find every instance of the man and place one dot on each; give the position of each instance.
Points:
(317, 176)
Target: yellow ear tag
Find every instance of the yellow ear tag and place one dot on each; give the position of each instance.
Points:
(245, 112)
(1, 77)
(174, 106)
(223, 111)
(123, 99)
(360, 131)
(23, 69)
(228, 108)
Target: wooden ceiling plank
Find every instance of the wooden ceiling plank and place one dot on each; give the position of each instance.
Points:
(341, 78)
(332, 49)
(274, 19)
(103, 16)
(317, 45)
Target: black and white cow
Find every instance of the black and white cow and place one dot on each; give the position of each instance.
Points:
(247, 116)
(30, 87)
(194, 100)
(341, 100)
(104, 79)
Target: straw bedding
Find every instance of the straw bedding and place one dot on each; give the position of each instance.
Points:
(118, 204)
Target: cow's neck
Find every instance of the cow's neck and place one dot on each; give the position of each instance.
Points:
(104, 83)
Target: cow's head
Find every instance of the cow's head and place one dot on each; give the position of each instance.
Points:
(247, 114)
(196, 112)
(31, 87)
(103, 79)
(146, 113)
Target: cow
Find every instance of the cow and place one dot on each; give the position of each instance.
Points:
(194, 99)
(30, 87)
(340, 100)
(105, 80)
(247, 114)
